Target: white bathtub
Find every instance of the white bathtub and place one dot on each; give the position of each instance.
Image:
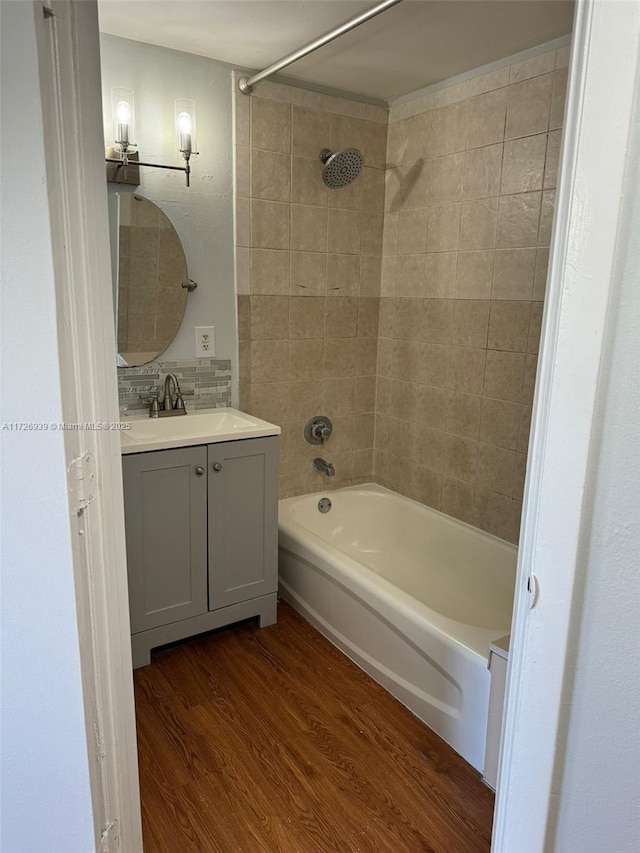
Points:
(413, 596)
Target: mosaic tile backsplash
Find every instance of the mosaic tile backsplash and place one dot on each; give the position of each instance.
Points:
(205, 382)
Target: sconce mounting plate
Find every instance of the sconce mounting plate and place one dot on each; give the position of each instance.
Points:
(115, 171)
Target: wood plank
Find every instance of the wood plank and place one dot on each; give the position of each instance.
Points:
(272, 740)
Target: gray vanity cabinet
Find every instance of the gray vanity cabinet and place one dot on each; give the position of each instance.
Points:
(166, 535)
(243, 520)
(202, 539)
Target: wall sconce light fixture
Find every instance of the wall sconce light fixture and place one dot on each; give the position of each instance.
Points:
(123, 164)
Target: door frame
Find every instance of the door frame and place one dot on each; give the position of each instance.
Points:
(605, 48)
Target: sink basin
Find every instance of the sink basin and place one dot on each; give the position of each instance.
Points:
(205, 426)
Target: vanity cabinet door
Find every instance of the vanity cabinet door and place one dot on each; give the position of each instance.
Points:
(243, 520)
(165, 502)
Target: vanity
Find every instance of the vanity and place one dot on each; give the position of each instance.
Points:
(201, 518)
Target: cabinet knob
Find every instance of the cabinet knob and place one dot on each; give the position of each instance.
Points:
(217, 466)
(199, 471)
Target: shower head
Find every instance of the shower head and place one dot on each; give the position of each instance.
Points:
(340, 167)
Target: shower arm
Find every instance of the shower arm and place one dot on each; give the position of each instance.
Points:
(245, 84)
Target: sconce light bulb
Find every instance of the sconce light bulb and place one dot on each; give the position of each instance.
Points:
(184, 123)
(123, 112)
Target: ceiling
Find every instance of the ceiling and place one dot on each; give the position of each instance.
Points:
(408, 47)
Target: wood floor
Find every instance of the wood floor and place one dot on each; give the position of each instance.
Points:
(271, 740)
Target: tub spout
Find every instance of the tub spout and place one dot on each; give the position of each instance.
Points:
(323, 467)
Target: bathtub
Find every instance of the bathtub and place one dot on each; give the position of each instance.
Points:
(413, 596)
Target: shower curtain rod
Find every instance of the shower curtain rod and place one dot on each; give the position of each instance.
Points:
(245, 84)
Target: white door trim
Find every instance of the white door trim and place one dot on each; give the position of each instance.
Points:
(598, 120)
(69, 61)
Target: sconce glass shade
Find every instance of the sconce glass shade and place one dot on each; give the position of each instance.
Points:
(185, 112)
(122, 111)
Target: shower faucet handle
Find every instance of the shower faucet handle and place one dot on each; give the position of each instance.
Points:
(318, 429)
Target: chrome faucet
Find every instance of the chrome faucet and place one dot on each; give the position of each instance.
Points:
(323, 467)
(168, 407)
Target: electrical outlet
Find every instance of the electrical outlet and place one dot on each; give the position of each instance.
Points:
(205, 342)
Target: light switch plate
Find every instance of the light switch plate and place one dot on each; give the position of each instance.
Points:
(205, 342)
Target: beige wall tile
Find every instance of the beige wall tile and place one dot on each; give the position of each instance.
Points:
(431, 407)
(270, 400)
(513, 273)
(306, 182)
(310, 132)
(273, 91)
(345, 132)
(363, 431)
(410, 275)
(363, 464)
(269, 317)
(495, 468)
(412, 226)
(269, 272)
(375, 144)
(529, 381)
(372, 227)
(500, 423)
(341, 318)
(427, 487)
(370, 275)
(243, 170)
(463, 415)
(540, 277)
(305, 398)
(269, 224)
(310, 100)
(338, 396)
(470, 323)
(558, 98)
(364, 399)
(553, 159)
(435, 365)
(563, 55)
(387, 317)
(366, 356)
(437, 321)
(308, 273)
(504, 375)
(519, 474)
(269, 361)
(509, 325)
(458, 499)
(390, 233)
(527, 68)
(486, 118)
(308, 228)
(482, 169)
(528, 107)
(270, 175)
(440, 275)
(449, 129)
(487, 82)
(406, 360)
(407, 323)
(306, 317)
(347, 198)
(460, 458)
(368, 315)
(546, 217)
(492, 512)
(478, 224)
(445, 184)
(372, 189)
(345, 228)
(339, 357)
(474, 274)
(523, 164)
(242, 111)
(535, 325)
(270, 125)
(243, 222)
(243, 270)
(467, 369)
(444, 228)
(244, 318)
(343, 275)
(518, 217)
(306, 358)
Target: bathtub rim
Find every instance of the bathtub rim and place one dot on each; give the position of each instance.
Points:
(469, 640)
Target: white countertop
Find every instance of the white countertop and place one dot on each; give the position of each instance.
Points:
(203, 426)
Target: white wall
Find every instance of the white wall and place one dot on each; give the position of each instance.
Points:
(203, 213)
(46, 800)
(598, 805)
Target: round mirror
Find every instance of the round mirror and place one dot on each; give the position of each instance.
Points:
(150, 292)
